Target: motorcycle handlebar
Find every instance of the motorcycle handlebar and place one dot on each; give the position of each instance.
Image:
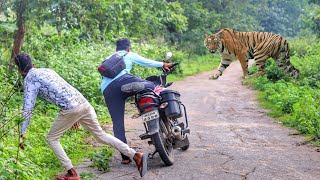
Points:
(174, 64)
(171, 67)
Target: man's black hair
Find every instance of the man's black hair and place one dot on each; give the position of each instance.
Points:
(24, 62)
(123, 44)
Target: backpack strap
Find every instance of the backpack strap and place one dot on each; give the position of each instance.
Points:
(125, 54)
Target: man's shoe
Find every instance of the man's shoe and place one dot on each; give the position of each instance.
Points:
(141, 160)
(71, 175)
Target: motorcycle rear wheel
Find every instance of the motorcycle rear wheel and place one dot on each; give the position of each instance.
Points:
(163, 144)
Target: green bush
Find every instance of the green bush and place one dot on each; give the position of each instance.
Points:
(274, 73)
(283, 95)
(306, 114)
(300, 45)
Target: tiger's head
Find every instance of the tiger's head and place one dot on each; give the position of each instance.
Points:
(212, 42)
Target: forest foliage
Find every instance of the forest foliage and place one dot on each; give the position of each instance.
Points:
(74, 36)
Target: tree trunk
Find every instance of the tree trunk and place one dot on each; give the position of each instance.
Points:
(19, 34)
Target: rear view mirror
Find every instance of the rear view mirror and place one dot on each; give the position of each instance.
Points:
(167, 56)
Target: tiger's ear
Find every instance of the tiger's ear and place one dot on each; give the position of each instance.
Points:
(206, 35)
(220, 35)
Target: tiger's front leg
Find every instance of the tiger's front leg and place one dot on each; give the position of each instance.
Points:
(223, 65)
(244, 60)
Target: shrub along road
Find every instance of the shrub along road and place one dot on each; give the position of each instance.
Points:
(231, 138)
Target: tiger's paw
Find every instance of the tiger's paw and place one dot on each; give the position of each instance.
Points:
(214, 77)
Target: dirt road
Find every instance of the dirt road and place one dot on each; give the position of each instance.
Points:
(231, 138)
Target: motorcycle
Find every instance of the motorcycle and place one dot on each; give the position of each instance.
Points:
(160, 109)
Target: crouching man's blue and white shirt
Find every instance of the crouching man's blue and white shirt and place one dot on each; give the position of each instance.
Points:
(53, 88)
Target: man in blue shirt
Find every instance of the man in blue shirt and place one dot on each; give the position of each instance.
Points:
(111, 88)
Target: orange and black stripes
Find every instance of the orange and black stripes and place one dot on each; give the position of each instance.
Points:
(250, 45)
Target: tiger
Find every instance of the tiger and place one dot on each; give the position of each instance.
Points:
(243, 46)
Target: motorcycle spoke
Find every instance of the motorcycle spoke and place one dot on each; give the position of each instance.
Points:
(166, 138)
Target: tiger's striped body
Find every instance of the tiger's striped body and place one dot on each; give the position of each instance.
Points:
(250, 45)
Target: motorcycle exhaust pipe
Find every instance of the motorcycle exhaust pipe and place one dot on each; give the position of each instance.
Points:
(177, 132)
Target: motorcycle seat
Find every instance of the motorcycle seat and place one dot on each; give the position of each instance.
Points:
(133, 87)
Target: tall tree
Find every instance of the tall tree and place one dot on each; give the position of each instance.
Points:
(200, 21)
(21, 10)
(279, 16)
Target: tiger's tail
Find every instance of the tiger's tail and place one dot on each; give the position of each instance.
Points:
(284, 61)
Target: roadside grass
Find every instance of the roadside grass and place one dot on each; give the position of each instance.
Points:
(88, 176)
(274, 112)
(196, 64)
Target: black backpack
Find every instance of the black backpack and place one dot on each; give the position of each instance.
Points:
(112, 66)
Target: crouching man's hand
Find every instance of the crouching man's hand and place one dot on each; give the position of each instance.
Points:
(167, 66)
(75, 126)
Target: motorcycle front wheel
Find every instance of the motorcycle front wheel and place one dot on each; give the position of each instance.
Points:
(163, 144)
